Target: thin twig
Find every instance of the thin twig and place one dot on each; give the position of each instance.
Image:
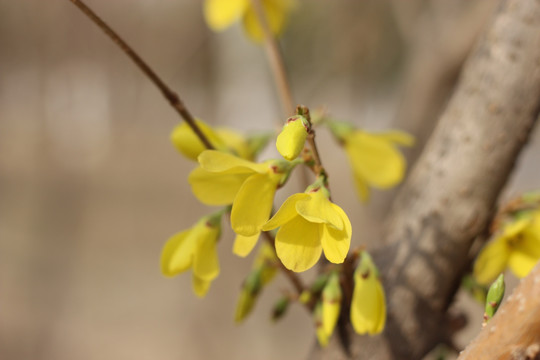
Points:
(295, 280)
(276, 60)
(170, 95)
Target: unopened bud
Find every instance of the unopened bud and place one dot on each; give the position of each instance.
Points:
(290, 141)
(322, 336)
(248, 296)
(280, 308)
(331, 303)
(494, 298)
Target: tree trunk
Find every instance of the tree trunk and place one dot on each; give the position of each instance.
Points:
(450, 195)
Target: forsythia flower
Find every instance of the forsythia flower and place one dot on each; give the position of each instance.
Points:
(187, 142)
(517, 247)
(374, 158)
(224, 179)
(220, 14)
(290, 141)
(309, 223)
(368, 307)
(194, 248)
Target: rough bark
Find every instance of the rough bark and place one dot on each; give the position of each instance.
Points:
(514, 332)
(449, 197)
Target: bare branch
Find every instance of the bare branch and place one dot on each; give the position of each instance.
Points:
(170, 95)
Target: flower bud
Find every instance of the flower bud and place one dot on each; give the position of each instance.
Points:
(368, 306)
(331, 303)
(494, 298)
(290, 141)
(248, 296)
(280, 308)
(322, 336)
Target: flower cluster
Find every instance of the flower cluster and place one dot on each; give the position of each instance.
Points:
(306, 225)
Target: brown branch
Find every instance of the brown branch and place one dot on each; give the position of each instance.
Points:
(514, 332)
(450, 195)
(171, 96)
(276, 60)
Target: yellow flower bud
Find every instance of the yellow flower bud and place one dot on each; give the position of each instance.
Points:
(290, 141)
(331, 303)
(248, 296)
(368, 307)
(322, 336)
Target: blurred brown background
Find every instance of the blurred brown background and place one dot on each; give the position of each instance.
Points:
(90, 186)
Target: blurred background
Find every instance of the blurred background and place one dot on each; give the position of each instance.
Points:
(91, 188)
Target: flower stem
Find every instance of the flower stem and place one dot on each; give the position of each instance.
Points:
(276, 60)
(172, 97)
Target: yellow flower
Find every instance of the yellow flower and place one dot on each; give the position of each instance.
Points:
(291, 139)
(368, 307)
(194, 248)
(224, 179)
(220, 14)
(374, 158)
(309, 223)
(517, 247)
(187, 142)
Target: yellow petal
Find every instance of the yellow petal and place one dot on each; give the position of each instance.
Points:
(397, 137)
(382, 310)
(318, 209)
(521, 264)
(189, 144)
(177, 254)
(220, 14)
(374, 160)
(200, 286)
(491, 261)
(276, 12)
(221, 162)
(286, 212)
(515, 228)
(205, 261)
(368, 307)
(361, 188)
(236, 142)
(524, 255)
(253, 204)
(244, 244)
(298, 244)
(336, 243)
(215, 188)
